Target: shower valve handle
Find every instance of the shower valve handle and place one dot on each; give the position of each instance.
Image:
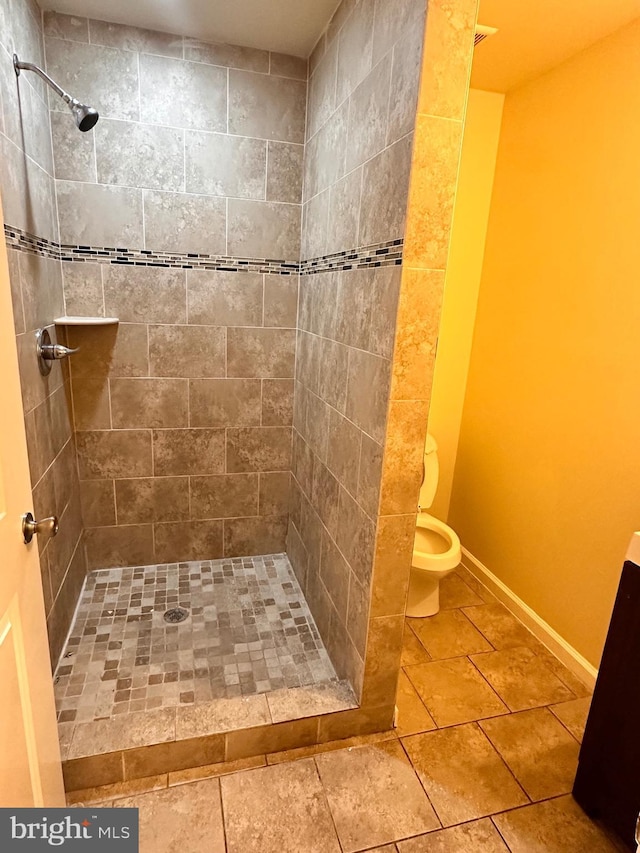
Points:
(54, 352)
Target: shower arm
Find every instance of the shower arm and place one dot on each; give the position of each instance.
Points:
(29, 66)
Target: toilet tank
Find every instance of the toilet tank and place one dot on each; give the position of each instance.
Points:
(431, 473)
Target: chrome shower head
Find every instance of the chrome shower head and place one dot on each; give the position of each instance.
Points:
(85, 117)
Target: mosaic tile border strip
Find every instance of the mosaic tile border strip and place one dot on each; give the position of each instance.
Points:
(378, 255)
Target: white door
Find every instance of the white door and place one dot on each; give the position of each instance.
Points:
(30, 771)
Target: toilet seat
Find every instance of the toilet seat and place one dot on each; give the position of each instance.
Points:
(437, 561)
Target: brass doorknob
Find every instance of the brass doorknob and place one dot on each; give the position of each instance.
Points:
(45, 527)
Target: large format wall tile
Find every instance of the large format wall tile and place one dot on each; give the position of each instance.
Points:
(183, 94)
(177, 222)
(139, 155)
(104, 78)
(266, 107)
(97, 215)
(260, 229)
(224, 165)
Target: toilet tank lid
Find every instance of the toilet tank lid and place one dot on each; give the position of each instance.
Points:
(430, 445)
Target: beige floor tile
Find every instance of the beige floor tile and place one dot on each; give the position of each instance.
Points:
(462, 773)
(412, 717)
(449, 634)
(169, 817)
(454, 592)
(521, 679)
(539, 750)
(278, 809)
(479, 836)
(573, 715)
(555, 826)
(478, 587)
(296, 702)
(577, 687)
(455, 692)
(501, 628)
(412, 649)
(374, 795)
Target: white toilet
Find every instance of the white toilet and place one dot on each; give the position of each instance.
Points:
(436, 548)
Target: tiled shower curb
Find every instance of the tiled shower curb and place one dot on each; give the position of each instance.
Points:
(149, 743)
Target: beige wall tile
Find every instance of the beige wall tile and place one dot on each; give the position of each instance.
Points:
(218, 164)
(99, 215)
(264, 739)
(267, 107)
(280, 300)
(228, 55)
(382, 663)
(263, 229)
(132, 154)
(261, 352)
(113, 350)
(355, 43)
(277, 402)
(343, 451)
(225, 402)
(247, 536)
(152, 499)
(182, 94)
(445, 72)
(186, 351)
(368, 392)
(187, 540)
(145, 294)
(284, 172)
(274, 493)
(224, 496)
(335, 573)
(403, 458)
(369, 475)
(175, 222)
(355, 536)
(417, 334)
(65, 26)
(385, 185)
(224, 299)
(405, 82)
(188, 451)
(283, 65)
(392, 561)
(122, 453)
(149, 403)
(258, 449)
(134, 38)
(433, 181)
(97, 498)
(368, 114)
(83, 287)
(113, 547)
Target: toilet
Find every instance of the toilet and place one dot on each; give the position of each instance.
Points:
(436, 547)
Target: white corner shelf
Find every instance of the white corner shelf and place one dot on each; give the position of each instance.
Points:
(85, 321)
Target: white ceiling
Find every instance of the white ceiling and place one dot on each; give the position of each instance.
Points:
(284, 26)
(534, 37)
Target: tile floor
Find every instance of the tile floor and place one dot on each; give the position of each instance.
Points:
(248, 631)
(482, 761)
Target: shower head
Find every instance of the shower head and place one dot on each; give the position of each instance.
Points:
(85, 117)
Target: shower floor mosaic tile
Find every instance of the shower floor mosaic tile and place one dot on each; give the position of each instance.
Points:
(248, 630)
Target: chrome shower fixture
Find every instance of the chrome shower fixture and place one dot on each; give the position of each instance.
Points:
(85, 116)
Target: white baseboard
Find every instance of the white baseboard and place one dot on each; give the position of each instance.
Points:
(563, 650)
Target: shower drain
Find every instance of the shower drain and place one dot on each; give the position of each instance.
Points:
(176, 614)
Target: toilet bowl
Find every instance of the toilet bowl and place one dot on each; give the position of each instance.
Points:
(436, 547)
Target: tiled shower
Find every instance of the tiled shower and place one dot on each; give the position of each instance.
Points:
(220, 448)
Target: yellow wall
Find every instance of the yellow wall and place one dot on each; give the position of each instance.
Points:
(547, 481)
(464, 269)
